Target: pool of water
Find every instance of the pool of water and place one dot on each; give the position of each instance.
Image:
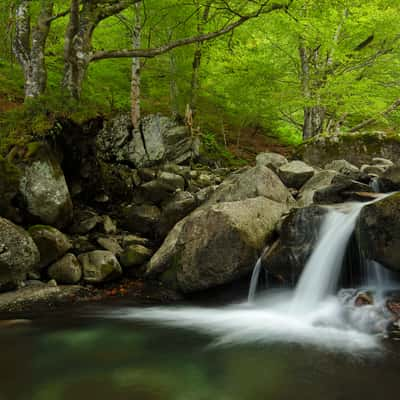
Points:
(92, 356)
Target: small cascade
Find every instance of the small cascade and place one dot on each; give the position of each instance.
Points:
(375, 185)
(321, 274)
(254, 281)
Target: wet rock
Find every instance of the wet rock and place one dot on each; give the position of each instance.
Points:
(216, 244)
(342, 189)
(52, 243)
(271, 160)
(298, 235)
(66, 271)
(18, 254)
(99, 266)
(251, 183)
(295, 174)
(44, 189)
(135, 255)
(378, 231)
(142, 219)
(344, 168)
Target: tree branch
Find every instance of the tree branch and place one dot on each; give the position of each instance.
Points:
(153, 52)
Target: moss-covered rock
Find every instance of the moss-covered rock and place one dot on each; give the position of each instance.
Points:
(99, 266)
(66, 271)
(357, 148)
(9, 183)
(134, 256)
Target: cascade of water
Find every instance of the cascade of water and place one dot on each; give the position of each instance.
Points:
(375, 185)
(321, 274)
(254, 281)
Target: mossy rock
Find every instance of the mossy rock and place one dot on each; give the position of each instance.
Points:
(9, 183)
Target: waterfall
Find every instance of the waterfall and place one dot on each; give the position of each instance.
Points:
(254, 280)
(321, 273)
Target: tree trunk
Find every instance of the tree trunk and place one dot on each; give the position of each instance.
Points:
(135, 78)
(173, 87)
(313, 121)
(29, 46)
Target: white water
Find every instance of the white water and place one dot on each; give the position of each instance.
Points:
(308, 315)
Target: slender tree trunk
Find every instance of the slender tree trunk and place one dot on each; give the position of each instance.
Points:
(135, 78)
(29, 46)
(198, 54)
(173, 87)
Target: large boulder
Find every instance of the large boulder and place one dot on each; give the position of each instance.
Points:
(271, 160)
(378, 231)
(295, 174)
(216, 244)
(99, 266)
(286, 259)
(43, 187)
(253, 182)
(142, 219)
(52, 243)
(159, 139)
(320, 180)
(18, 254)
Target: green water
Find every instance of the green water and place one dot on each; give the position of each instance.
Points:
(79, 357)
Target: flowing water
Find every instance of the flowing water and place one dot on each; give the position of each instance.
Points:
(308, 343)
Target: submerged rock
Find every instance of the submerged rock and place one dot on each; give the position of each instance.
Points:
(18, 254)
(216, 244)
(378, 231)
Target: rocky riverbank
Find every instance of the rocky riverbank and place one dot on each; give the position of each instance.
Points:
(103, 204)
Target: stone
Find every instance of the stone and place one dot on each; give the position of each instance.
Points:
(173, 211)
(141, 219)
(299, 233)
(216, 244)
(204, 194)
(295, 174)
(66, 271)
(173, 181)
(44, 189)
(158, 140)
(375, 170)
(19, 254)
(271, 160)
(342, 189)
(390, 180)
(319, 180)
(344, 168)
(109, 226)
(127, 240)
(382, 161)
(85, 221)
(110, 244)
(250, 183)
(378, 231)
(157, 191)
(99, 266)
(52, 243)
(135, 255)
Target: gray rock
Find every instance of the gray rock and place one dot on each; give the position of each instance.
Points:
(344, 168)
(109, 226)
(390, 180)
(18, 254)
(52, 243)
(99, 266)
(142, 219)
(85, 221)
(295, 174)
(135, 255)
(44, 189)
(271, 160)
(216, 244)
(158, 140)
(110, 244)
(382, 161)
(342, 189)
(173, 211)
(253, 182)
(66, 271)
(373, 169)
(319, 180)
(173, 181)
(127, 240)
